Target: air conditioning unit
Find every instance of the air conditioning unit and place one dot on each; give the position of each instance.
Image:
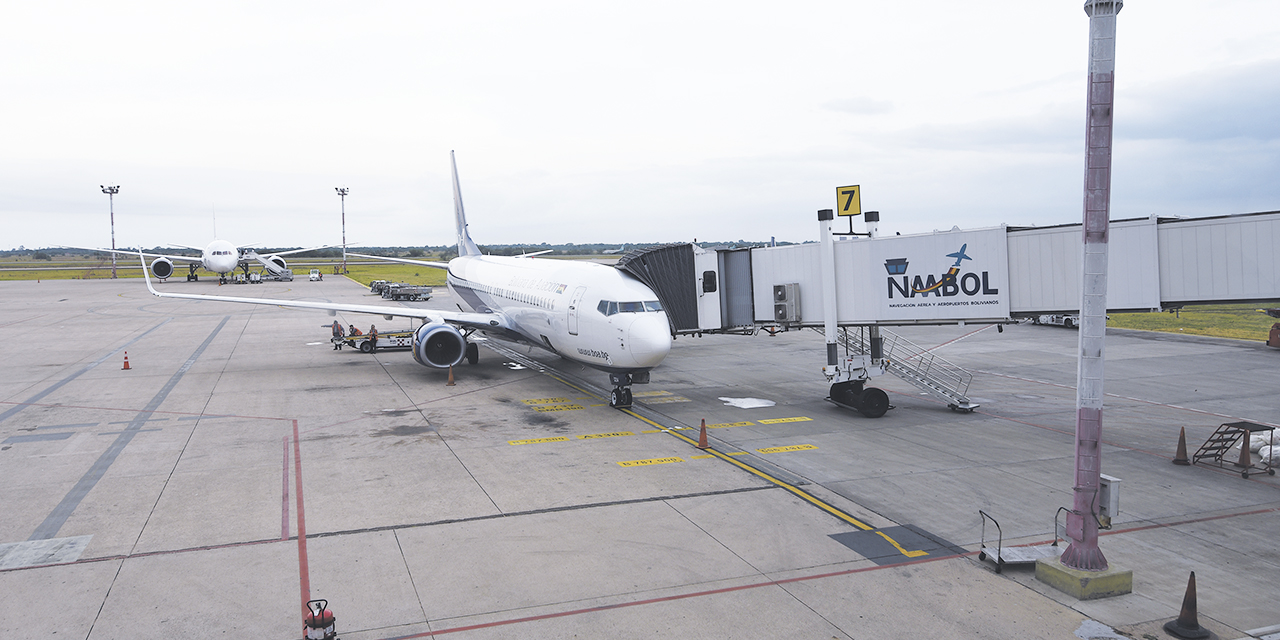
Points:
(786, 302)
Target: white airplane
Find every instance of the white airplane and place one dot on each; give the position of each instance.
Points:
(220, 257)
(621, 249)
(585, 312)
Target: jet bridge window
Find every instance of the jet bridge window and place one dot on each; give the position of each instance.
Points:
(609, 307)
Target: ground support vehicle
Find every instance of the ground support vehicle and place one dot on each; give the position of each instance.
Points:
(1069, 321)
(377, 286)
(394, 340)
(403, 291)
(315, 275)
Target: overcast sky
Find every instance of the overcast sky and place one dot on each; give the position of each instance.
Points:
(613, 122)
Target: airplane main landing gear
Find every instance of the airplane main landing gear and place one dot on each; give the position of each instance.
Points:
(191, 275)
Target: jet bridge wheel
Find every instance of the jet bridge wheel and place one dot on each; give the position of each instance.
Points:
(873, 402)
(846, 393)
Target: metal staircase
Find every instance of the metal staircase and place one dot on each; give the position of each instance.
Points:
(915, 364)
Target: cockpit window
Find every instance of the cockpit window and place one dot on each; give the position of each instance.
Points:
(609, 307)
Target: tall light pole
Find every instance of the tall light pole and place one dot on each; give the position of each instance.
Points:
(1082, 524)
(342, 193)
(111, 200)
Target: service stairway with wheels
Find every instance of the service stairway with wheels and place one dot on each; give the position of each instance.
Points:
(908, 361)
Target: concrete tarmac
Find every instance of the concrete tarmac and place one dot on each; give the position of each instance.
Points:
(164, 501)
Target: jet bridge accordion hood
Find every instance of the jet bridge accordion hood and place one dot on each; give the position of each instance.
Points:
(669, 271)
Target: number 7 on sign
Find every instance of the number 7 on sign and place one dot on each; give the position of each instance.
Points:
(849, 201)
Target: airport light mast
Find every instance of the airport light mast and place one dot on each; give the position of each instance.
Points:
(111, 202)
(342, 193)
(1082, 525)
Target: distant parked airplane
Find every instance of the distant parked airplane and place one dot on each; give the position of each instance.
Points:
(220, 257)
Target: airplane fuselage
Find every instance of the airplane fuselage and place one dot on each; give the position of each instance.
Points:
(220, 257)
(590, 313)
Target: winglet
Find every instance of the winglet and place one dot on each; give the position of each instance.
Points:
(466, 247)
(146, 275)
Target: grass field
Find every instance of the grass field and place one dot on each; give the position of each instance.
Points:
(1239, 321)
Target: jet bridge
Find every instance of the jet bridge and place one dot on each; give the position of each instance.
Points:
(992, 275)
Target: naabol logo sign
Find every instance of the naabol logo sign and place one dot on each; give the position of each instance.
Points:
(954, 275)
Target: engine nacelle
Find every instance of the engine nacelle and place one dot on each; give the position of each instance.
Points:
(439, 345)
(278, 262)
(162, 268)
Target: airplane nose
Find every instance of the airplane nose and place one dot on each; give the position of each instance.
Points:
(649, 339)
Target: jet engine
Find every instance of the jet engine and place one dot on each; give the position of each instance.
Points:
(162, 268)
(439, 345)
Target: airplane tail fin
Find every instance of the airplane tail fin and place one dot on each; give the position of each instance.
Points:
(466, 247)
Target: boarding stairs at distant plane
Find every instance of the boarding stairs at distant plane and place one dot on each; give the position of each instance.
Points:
(915, 364)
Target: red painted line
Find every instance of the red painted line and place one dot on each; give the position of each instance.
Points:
(770, 583)
(685, 596)
(284, 493)
(304, 576)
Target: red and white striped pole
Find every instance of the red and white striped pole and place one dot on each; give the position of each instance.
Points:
(1082, 526)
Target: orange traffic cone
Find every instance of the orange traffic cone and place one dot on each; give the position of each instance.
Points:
(450, 377)
(1246, 459)
(702, 436)
(1181, 456)
(126, 362)
(1187, 625)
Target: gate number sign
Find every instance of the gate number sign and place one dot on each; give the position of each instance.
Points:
(849, 201)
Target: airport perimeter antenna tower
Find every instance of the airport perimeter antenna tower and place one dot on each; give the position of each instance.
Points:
(111, 202)
(1082, 525)
(342, 193)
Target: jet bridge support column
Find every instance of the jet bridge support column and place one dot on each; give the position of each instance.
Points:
(829, 303)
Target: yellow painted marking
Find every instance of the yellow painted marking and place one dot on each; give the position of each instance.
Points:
(703, 457)
(794, 447)
(538, 440)
(650, 394)
(546, 401)
(615, 434)
(726, 425)
(559, 407)
(781, 420)
(666, 400)
(737, 453)
(909, 554)
(752, 470)
(645, 463)
(653, 431)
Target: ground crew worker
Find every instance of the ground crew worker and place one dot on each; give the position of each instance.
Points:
(373, 339)
(354, 331)
(338, 333)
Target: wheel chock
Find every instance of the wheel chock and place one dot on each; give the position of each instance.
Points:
(1187, 625)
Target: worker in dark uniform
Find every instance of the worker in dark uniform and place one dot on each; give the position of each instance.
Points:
(337, 335)
(373, 339)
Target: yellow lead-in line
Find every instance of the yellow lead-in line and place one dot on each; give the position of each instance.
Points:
(793, 489)
(748, 468)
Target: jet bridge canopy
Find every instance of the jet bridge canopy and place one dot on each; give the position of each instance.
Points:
(669, 271)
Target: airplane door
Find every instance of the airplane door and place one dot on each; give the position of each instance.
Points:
(573, 310)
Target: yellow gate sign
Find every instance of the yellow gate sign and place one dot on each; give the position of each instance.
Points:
(849, 200)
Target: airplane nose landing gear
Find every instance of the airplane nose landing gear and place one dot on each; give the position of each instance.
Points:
(620, 397)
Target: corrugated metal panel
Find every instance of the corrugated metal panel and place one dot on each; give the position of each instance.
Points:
(1044, 268)
(735, 288)
(1232, 258)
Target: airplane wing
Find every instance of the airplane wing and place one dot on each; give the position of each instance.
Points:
(292, 251)
(479, 321)
(424, 263)
(535, 253)
(140, 253)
